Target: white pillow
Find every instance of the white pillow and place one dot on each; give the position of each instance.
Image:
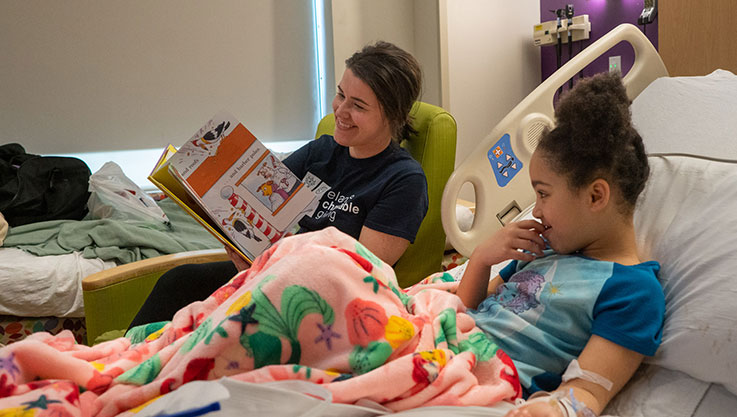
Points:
(464, 216)
(686, 219)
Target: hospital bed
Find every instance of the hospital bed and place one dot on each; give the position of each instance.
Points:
(685, 219)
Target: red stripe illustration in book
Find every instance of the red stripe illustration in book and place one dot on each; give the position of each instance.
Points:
(250, 215)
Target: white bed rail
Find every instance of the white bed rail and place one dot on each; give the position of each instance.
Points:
(522, 128)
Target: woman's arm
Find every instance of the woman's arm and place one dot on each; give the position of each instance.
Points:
(387, 247)
(603, 358)
(238, 261)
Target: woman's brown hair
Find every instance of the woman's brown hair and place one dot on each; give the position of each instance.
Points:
(395, 77)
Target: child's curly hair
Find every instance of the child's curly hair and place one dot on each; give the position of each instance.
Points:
(594, 138)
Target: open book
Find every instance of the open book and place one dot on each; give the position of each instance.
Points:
(234, 186)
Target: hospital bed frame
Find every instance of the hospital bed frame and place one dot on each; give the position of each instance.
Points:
(523, 127)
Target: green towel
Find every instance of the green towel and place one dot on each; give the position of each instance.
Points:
(114, 240)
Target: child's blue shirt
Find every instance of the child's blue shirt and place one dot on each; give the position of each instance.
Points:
(546, 310)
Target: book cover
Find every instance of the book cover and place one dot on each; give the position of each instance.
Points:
(233, 185)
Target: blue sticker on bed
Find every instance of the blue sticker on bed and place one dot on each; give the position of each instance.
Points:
(503, 161)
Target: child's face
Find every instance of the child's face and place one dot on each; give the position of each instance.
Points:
(559, 208)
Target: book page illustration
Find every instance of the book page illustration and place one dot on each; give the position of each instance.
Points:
(271, 183)
(250, 221)
(206, 143)
(246, 192)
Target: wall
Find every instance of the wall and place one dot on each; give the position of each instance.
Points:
(490, 64)
(410, 24)
(427, 48)
(477, 55)
(604, 16)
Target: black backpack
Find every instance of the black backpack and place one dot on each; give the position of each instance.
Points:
(36, 188)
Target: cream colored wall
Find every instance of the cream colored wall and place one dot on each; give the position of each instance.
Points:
(490, 63)
(427, 48)
(410, 24)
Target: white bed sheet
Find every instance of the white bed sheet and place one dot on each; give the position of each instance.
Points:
(655, 391)
(40, 286)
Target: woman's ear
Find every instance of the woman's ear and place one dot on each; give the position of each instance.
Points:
(599, 194)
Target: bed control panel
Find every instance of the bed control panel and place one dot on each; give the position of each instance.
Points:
(504, 162)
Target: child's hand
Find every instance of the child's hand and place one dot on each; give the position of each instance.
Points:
(536, 409)
(506, 243)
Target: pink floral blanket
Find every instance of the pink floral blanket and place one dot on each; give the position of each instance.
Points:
(317, 307)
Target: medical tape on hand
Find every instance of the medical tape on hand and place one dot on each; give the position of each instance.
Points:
(553, 399)
(574, 371)
(567, 405)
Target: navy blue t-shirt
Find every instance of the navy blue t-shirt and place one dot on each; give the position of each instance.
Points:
(386, 192)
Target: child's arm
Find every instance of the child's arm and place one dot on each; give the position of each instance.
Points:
(603, 358)
(475, 282)
(493, 284)
(506, 243)
(607, 359)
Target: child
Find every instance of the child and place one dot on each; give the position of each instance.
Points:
(576, 318)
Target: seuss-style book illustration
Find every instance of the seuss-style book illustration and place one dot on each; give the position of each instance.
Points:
(273, 183)
(242, 189)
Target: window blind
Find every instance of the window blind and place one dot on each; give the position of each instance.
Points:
(98, 75)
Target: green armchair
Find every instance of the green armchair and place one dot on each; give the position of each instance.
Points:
(434, 147)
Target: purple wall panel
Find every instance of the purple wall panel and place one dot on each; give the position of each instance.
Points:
(604, 16)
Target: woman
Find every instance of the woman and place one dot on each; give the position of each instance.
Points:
(377, 192)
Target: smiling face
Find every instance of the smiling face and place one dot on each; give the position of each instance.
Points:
(360, 123)
(562, 210)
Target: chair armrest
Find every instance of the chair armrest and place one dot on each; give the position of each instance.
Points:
(163, 263)
(113, 297)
